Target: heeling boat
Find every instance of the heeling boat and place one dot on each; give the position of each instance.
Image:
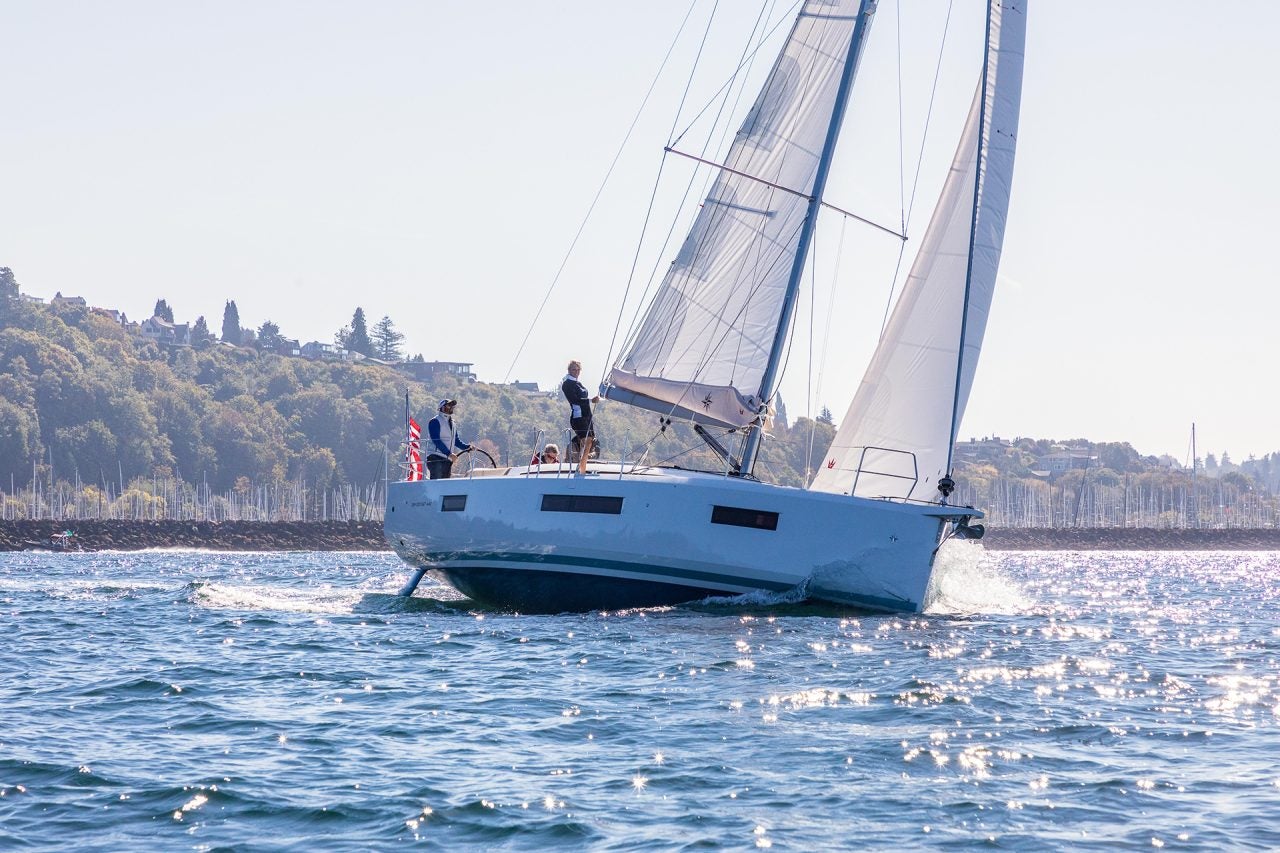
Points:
(867, 530)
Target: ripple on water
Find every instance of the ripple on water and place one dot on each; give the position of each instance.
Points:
(1060, 700)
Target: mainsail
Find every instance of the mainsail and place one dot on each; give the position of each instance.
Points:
(702, 349)
(895, 439)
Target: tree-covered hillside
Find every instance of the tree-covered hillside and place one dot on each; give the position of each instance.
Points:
(97, 418)
(101, 405)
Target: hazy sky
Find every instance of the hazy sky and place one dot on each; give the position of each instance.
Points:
(432, 162)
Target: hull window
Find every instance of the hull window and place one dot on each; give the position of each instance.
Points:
(740, 517)
(582, 503)
(453, 503)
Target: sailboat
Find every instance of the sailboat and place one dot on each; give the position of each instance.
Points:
(867, 530)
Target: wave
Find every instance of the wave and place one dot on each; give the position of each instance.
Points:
(83, 590)
(966, 582)
(377, 596)
(323, 599)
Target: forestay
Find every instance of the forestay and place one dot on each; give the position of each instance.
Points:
(702, 348)
(895, 439)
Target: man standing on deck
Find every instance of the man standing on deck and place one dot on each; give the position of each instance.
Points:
(443, 442)
(580, 401)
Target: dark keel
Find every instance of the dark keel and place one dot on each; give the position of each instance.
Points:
(563, 592)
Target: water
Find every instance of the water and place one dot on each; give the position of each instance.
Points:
(190, 700)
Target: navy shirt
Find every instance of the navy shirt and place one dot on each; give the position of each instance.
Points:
(578, 396)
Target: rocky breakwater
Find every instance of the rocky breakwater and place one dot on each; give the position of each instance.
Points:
(212, 535)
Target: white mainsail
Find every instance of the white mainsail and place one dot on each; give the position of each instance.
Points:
(702, 348)
(895, 439)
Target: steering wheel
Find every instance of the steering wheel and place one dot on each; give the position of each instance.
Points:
(492, 462)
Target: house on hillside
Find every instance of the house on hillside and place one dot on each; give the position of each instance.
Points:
(316, 350)
(111, 314)
(166, 333)
(31, 300)
(426, 370)
(530, 387)
(986, 449)
(287, 346)
(59, 299)
(1066, 460)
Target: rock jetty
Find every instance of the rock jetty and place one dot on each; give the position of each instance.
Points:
(367, 536)
(213, 535)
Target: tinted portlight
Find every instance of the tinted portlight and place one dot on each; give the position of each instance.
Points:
(742, 517)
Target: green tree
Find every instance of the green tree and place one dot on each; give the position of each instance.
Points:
(201, 337)
(386, 340)
(1118, 456)
(163, 311)
(87, 448)
(8, 284)
(19, 439)
(269, 337)
(356, 336)
(231, 333)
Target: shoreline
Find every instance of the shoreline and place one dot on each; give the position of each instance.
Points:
(95, 535)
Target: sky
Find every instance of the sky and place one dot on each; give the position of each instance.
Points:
(434, 162)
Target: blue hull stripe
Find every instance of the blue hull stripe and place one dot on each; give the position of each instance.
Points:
(550, 561)
(875, 602)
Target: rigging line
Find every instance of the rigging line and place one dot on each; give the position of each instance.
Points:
(831, 305)
(728, 325)
(806, 86)
(799, 193)
(714, 345)
(697, 59)
(915, 183)
(631, 274)
(902, 155)
(742, 64)
(636, 326)
(791, 332)
(591, 208)
(826, 337)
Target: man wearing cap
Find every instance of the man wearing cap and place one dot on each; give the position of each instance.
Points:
(443, 442)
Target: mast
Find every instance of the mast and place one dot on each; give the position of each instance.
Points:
(946, 484)
(768, 383)
(1195, 498)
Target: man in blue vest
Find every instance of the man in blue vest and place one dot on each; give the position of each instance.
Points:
(443, 443)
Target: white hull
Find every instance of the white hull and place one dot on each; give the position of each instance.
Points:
(551, 541)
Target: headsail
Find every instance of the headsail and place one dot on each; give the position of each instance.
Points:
(895, 439)
(702, 348)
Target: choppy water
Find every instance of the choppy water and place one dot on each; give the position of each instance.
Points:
(189, 700)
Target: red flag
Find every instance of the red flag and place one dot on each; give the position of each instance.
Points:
(415, 458)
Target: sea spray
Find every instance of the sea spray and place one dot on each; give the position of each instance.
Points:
(965, 581)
